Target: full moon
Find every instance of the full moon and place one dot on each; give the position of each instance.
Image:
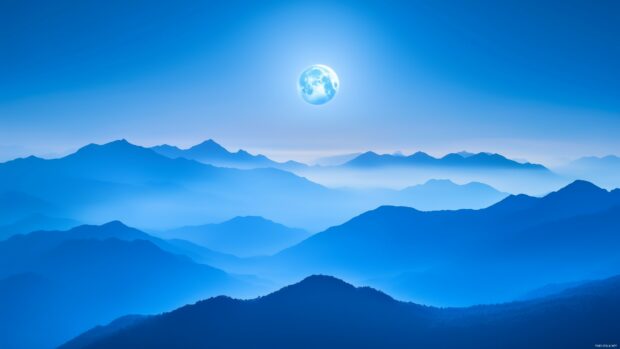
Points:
(318, 84)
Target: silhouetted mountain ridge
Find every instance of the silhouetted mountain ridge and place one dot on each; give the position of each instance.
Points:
(119, 180)
(325, 312)
(479, 160)
(210, 152)
(579, 197)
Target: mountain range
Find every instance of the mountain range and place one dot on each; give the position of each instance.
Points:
(491, 255)
(210, 152)
(122, 181)
(324, 312)
(479, 160)
(92, 274)
(396, 170)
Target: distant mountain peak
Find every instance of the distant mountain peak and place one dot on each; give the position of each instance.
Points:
(605, 157)
(120, 152)
(249, 219)
(440, 181)
(209, 144)
(242, 236)
(464, 154)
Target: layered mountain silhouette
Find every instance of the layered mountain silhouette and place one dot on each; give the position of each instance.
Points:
(493, 254)
(479, 160)
(241, 236)
(324, 312)
(210, 152)
(123, 181)
(59, 283)
(373, 170)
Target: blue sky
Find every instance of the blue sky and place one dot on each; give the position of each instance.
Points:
(531, 79)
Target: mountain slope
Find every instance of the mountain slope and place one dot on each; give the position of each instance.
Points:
(323, 312)
(100, 332)
(241, 236)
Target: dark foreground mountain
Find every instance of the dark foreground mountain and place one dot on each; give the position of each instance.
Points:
(324, 312)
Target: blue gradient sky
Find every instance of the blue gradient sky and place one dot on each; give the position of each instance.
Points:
(531, 79)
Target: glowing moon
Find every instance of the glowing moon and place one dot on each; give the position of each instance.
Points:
(318, 84)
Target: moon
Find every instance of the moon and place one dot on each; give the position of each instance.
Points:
(318, 84)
